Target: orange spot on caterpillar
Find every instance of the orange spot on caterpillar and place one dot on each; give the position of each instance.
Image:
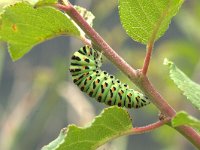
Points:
(104, 86)
(113, 89)
(121, 92)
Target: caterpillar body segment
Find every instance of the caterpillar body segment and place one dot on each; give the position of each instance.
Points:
(105, 88)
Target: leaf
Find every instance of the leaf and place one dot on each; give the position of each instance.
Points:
(45, 2)
(4, 3)
(190, 89)
(87, 15)
(54, 145)
(147, 20)
(22, 27)
(182, 118)
(111, 123)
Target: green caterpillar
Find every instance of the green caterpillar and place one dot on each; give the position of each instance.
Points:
(105, 88)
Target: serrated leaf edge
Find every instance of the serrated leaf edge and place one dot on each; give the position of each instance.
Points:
(173, 66)
(67, 130)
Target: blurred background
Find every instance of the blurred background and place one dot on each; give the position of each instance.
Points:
(38, 98)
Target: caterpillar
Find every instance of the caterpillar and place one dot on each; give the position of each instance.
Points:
(87, 75)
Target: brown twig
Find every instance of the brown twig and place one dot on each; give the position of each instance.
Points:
(167, 110)
(148, 128)
(147, 58)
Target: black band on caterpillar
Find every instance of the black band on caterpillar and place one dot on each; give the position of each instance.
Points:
(87, 75)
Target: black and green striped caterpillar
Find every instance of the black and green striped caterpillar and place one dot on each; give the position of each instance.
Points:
(105, 88)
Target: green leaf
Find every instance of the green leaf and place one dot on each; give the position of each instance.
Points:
(190, 89)
(111, 123)
(22, 27)
(4, 3)
(182, 118)
(54, 145)
(45, 2)
(147, 20)
(87, 15)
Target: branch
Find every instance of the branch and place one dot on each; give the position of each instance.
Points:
(150, 127)
(144, 129)
(99, 41)
(147, 58)
(138, 78)
(167, 110)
